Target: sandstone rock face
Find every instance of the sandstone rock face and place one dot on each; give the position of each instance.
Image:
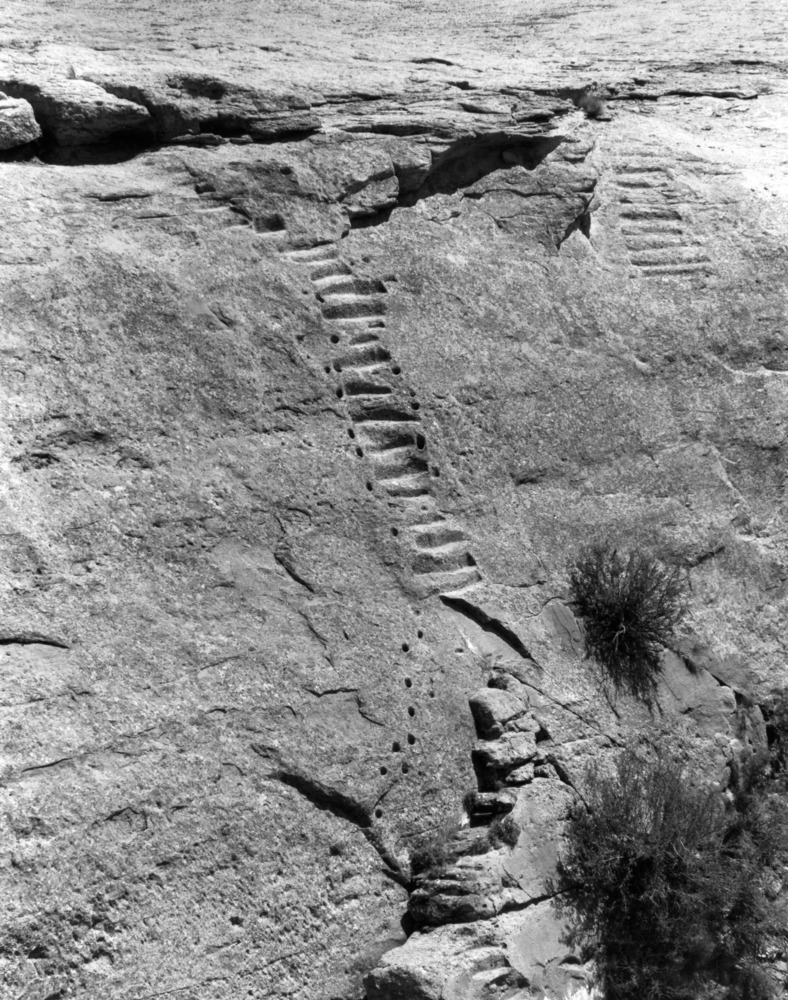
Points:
(77, 112)
(17, 123)
(182, 104)
(325, 346)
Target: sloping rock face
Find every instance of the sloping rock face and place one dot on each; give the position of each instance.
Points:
(319, 365)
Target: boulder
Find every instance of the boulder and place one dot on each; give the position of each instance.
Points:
(78, 112)
(183, 104)
(446, 962)
(493, 709)
(520, 954)
(18, 124)
(495, 759)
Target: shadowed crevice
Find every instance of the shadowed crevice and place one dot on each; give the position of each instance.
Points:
(487, 623)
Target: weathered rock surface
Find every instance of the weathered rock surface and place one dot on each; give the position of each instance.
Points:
(18, 124)
(317, 368)
(78, 112)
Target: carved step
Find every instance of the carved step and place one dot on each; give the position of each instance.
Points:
(362, 333)
(382, 436)
(371, 414)
(643, 182)
(655, 227)
(661, 242)
(640, 152)
(651, 166)
(407, 486)
(352, 306)
(452, 555)
(356, 329)
(368, 352)
(651, 212)
(224, 216)
(271, 235)
(666, 270)
(397, 462)
(369, 371)
(419, 506)
(347, 284)
(436, 533)
(673, 255)
(647, 198)
(354, 386)
(332, 268)
(454, 581)
(211, 209)
(308, 255)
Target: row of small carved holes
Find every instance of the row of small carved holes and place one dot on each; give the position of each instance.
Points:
(396, 746)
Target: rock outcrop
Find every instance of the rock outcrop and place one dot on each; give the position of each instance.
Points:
(325, 346)
(78, 112)
(492, 887)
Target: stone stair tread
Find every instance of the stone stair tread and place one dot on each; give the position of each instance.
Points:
(377, 418)
(447, 548)
(453, 581)
(322, 251)
(382, 455)
(378, 368)
(352, 296)
(409, 485)
(669, 269)
(386, 437)
(359, 307)
(660, 241)
(333, 267)
(410, 479)
(675, 255)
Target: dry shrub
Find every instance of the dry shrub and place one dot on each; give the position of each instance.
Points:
(434, 851)
(631, 605)
(667, 887)
(503, 830)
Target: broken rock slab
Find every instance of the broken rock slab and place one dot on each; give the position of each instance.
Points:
(522, 953)
(189, 104)
(493, 710)
(77, 112)
(18, 123)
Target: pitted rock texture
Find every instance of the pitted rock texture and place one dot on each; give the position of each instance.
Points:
(18, 124)
(533, 749)
(77, 112)
(327, 338)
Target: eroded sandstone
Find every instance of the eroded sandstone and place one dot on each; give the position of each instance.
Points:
(317, 370)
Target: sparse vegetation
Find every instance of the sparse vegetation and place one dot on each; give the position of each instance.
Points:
(593, 106)
(775, 713)
(668, 887)
(631, 605)
(503, 830)
(434, 850)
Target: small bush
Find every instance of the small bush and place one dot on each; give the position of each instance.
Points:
(593, 106)
(631, 605)
(666, 887)
(434, 851)
(503, 830)
(775, 714)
